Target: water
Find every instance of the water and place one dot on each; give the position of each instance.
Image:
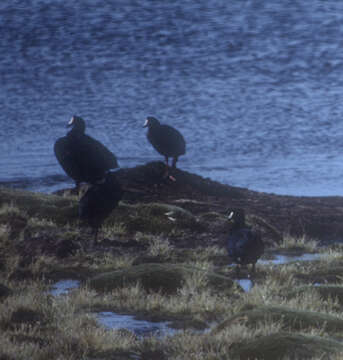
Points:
(254, 86)
(139, 327)
(63, 287)
(112, 320)
(286, 259)
(246, 284)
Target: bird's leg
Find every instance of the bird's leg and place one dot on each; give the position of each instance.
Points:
(175, 158)
(238, 268)
(253, 270)
(170, 177)
(167, 168)
(77, 189)
(166, 173)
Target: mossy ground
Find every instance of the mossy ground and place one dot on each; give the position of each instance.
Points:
(160, 261)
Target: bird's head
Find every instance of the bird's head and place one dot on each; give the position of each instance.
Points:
(236, 216)
(151, 122)
(77, 123)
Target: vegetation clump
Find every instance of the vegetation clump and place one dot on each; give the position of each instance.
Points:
(160, 258)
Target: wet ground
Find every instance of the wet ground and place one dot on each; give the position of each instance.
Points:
(142, 327)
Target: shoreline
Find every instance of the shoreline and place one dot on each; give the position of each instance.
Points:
(314, 217)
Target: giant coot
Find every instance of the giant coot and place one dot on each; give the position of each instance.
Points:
(99, 201)
(245, 245)
(83, 158)
(168, 141)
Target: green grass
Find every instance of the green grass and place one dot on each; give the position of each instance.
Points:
(36, 325)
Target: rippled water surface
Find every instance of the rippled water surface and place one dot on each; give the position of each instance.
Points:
(254, 86)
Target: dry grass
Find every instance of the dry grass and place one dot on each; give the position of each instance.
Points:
(67, 331)
(303, 242)
(62, 327)
(158, 246)
(52, 327)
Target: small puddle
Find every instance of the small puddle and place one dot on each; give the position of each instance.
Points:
(141, 328)
(286, 259)
(245, 284)
(62, 287)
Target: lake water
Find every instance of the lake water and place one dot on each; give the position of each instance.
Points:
(256, 87)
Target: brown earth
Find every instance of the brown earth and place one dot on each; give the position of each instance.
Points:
(316, 217)
(274, 215)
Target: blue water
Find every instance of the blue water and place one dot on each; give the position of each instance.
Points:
(256, 87)
(114, 321)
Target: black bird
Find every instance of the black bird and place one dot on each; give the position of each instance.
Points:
(83, 158)
(98, 202)
(245, 245)
(168, 141)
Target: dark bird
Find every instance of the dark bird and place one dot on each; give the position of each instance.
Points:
(98, 202)
(83, 158)
(245, 245)
(168, 141)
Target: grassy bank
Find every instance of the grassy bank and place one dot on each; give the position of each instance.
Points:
(159, 261)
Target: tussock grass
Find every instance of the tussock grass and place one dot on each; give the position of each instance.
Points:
(159, 246)
(41, 223)
(188, 345)
(4, 234)
(52, 327)
(194, 298)
(331, 256)
(303, 243)
(36, 325)
(110, 261)
(11, 209)
(116, 229)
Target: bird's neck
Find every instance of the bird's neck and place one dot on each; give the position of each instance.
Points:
(76, 131)
(154, 128)
(238, 225)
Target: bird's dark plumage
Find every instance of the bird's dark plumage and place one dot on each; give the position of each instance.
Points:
(168, 141)
(99, 200)
(83, 158)
(245, 245)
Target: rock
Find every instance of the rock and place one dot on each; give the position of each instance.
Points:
(167, 278)
(284, 345)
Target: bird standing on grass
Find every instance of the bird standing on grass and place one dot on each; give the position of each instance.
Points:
(245, 245)
(83, 158)
(98, 202)
(168, 141)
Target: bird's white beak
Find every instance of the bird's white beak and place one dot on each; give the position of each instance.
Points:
(71, 121)
(230, 215)
(146, 123)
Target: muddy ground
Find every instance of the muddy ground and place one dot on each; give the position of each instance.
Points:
(317, 217)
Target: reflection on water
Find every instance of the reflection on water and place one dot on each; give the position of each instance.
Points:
(64, 286)
(246, 284)
(285, 259)
(142, 328)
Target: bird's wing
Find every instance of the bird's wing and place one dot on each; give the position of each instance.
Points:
(99, 153)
